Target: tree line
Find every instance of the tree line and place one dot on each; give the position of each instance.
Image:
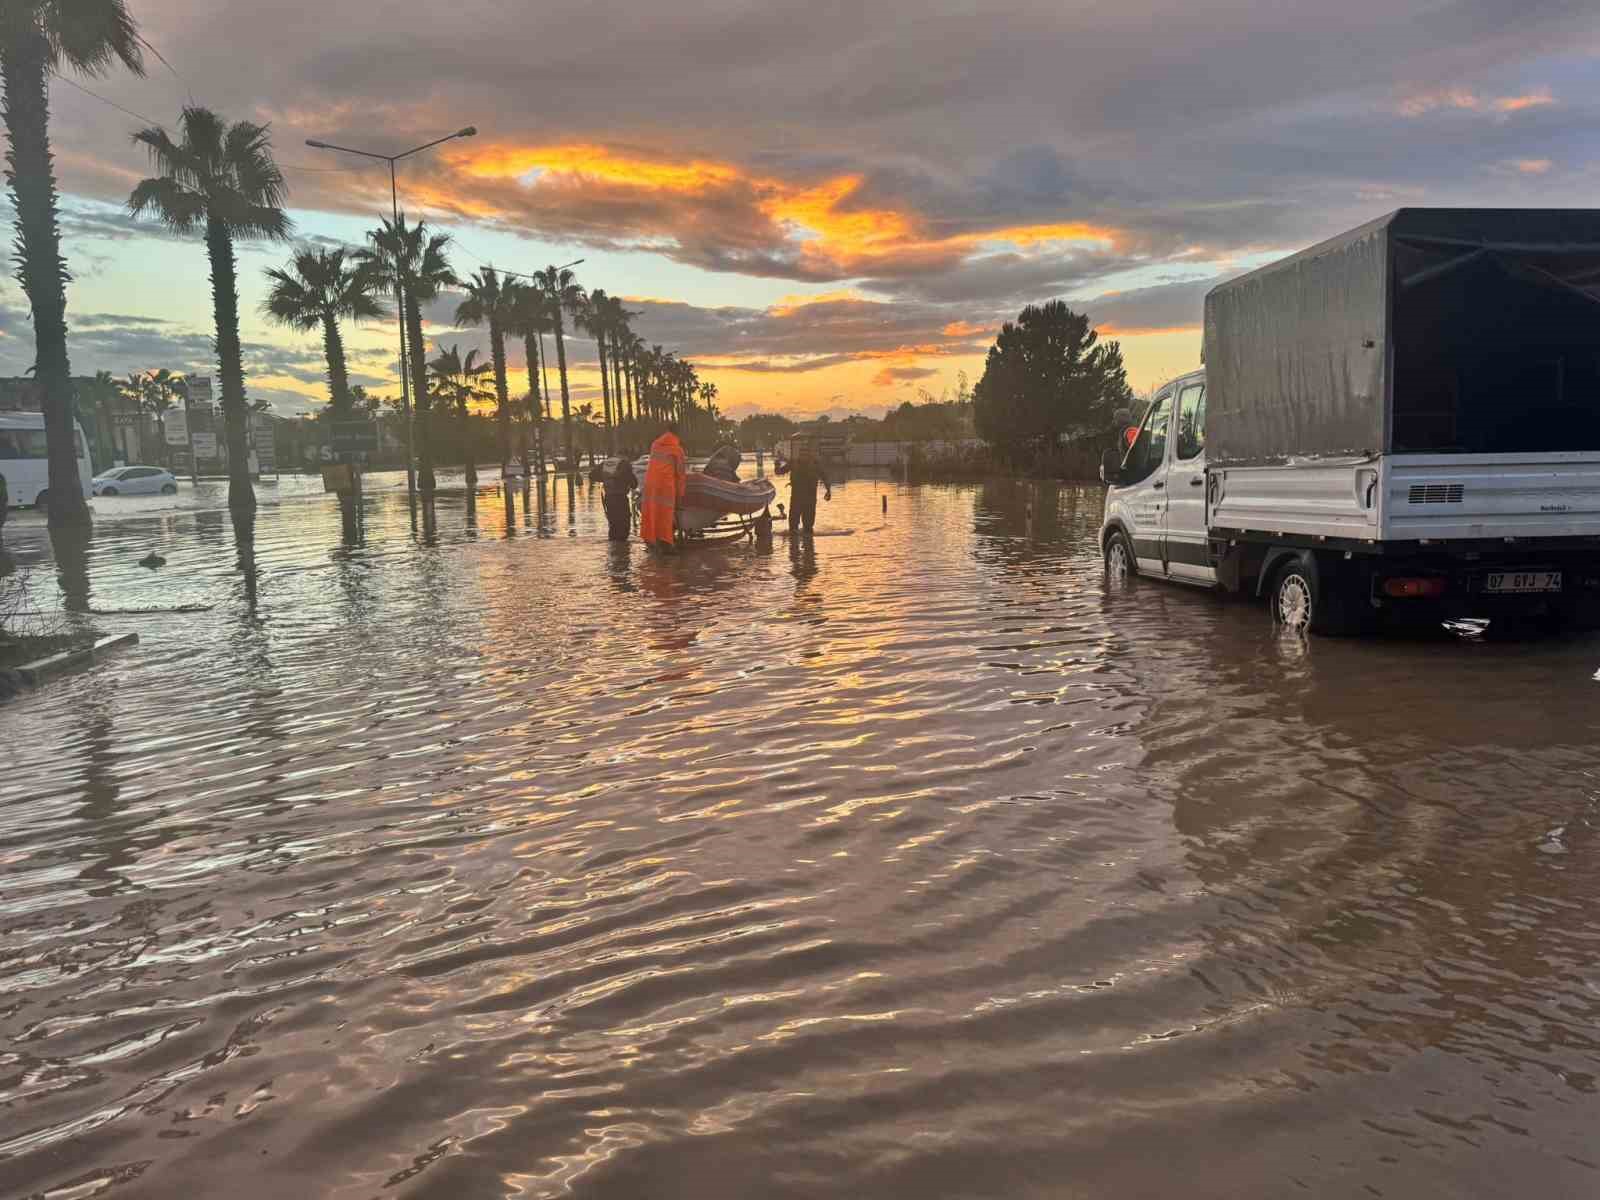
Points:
(218, 180)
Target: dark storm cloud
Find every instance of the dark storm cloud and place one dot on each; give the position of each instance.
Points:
(780, 338)
(1149, 310)
(1192, 132)
(120, 343)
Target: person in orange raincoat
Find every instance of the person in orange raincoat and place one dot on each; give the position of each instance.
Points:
(664, 482)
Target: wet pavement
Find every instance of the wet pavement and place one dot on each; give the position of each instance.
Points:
(497, 860)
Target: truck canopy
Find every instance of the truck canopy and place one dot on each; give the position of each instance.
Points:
(1427, 331)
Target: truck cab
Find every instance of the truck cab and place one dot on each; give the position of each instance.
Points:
(1156, 518)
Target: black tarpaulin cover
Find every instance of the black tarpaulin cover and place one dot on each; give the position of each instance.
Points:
(1299, 354)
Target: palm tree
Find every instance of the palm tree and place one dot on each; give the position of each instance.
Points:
(708, 396)
(632, 348)
(319, 289)
(491, 302)
(586, 423)
(621, 336)
(103, 395)
(530, 320)
(220, 178)
(37, 39)
(594, 315)
(159, 388)
(459, 381)
(131, 393)
(416, 260)
(564, 295)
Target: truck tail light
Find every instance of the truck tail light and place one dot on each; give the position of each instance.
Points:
(1426, 587)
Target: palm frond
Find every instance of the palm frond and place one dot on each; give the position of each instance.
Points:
(88, 36)
(179, 208)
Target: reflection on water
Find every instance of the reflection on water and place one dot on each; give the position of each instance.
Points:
(911, 862)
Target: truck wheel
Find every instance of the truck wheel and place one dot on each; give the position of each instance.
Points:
(1294, 596)
(1305, 599)
(42, 500)
(1121, 565)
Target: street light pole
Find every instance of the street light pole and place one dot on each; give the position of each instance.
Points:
(399, 292)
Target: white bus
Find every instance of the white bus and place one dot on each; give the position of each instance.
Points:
(23, 460)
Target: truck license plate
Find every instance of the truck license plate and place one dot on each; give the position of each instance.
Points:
(1523, 581)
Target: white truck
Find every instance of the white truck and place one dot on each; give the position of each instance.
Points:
(1399, 424)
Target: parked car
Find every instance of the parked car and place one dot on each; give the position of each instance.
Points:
(1402, 423)
(135, 481)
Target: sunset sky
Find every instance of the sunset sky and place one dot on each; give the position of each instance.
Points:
(825, 205)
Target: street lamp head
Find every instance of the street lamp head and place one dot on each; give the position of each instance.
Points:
(469, 131)
(316, 145)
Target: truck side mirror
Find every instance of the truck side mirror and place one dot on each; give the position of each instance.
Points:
(1111, 467)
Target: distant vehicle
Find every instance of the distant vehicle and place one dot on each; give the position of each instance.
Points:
(135, 481)
(24, 462)
(1401, 423)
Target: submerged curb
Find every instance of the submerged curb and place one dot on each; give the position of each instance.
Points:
(38, 671)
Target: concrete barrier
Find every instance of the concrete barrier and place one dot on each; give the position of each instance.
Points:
(39, 670)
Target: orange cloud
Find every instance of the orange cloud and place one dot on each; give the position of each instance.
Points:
(1531, 166)
(964, 329)
(1510, 104)
(1422, 103)
(787, 306)
(1113, 329)
(821, 229)
(890, 376)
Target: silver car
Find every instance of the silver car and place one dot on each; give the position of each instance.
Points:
(135, 481)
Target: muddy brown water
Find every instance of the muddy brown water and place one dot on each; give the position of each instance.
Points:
(915, 864)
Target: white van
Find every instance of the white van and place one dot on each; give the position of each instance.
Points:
(25, 463)
(1401, 424)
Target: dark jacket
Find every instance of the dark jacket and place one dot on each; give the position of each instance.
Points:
(620, 482)
(804, 476)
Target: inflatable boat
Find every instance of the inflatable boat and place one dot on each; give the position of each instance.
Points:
(707, 499)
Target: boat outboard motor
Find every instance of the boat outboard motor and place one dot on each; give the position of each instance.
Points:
(724, 463)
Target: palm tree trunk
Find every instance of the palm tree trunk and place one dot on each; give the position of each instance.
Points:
(497, 353)
(616, 384)
(605, 392)
(230, 363)
(629, 372)
(566, 400)
(471, 464)
(530, 351)
(418, 362)
(544, 373)
(338, 375)
(40, 267)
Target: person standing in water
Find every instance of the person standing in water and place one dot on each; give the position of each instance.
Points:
(805, 473)
(664, 481)
(618, 482)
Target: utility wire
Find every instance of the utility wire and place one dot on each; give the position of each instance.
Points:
(103, 100)
(162, 59)
(152, 121)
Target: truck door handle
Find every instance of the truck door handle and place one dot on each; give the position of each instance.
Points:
(1158, 486)
(1196, 481)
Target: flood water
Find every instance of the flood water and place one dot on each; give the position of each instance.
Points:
(511, 863)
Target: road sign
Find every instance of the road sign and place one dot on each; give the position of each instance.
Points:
(199, 389)
(266, 444)
(176, 423)
(205, 445)
(354, 435)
